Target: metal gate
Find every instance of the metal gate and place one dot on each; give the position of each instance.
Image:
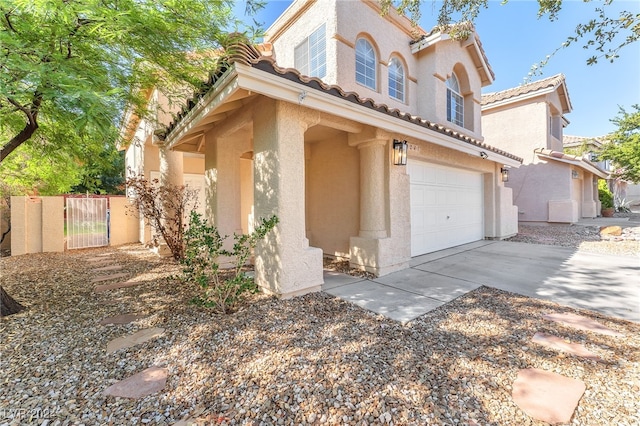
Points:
(87, 223)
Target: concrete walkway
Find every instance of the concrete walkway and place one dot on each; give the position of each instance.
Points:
(603, 283)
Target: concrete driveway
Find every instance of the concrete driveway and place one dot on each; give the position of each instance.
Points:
(603, 283)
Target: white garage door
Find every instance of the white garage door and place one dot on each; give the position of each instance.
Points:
(446, 207)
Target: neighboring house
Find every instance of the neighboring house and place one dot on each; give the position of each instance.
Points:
(145, 155)
(625, 193)
(304, 126)
(550, 186)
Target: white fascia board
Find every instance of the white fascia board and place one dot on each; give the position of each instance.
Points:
(428, 41)
(226, 86)
(289, 91)
(582, 164)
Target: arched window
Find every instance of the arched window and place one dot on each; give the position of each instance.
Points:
(396, 79)
(365, 64)
(455, 102)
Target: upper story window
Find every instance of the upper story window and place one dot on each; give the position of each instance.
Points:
(365, 64)
(455, 102)
(396, 79)
(311, 54)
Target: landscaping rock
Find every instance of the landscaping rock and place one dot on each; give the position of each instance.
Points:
(108, 268)
(101, 278)
(611, 230)
(122, 319)
(104, 287)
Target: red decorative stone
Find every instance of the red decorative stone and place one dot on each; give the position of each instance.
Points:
(547, 396)
(144, 383)
(555, 342)
(581, 323)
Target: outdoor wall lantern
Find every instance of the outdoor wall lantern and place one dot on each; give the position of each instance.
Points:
(504, 172)
(400, 149)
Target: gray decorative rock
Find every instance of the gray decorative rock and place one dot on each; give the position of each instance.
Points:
(122, 319)
(547, 396)
(101, 278)
(557, 343)
(134, 339)
(581, 323)
(144, 383)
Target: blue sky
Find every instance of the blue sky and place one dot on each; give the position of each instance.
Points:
(514, 39)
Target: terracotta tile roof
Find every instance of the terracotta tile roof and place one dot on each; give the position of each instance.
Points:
(576, 140)
(550, 82)
(250, 55)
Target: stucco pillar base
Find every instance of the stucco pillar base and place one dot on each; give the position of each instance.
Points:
(589, 209)
(285, 280)
(373, 255)
(563, 211)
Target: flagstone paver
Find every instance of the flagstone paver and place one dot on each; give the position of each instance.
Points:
(105, 287)
(547, 396)
(122, 319)
(108, 268)
(101, 278)
(144, 383)
(555, 342)
(134, 339)
(581, 323)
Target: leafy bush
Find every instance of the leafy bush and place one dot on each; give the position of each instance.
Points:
(605, 195)
(163, 207)
(222, 289)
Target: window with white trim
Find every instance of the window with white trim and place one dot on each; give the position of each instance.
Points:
(365, 64)
(310, 56)
(396, 79)
(455, 102)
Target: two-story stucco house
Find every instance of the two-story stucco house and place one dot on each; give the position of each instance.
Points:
(315, 126)
(550, 186)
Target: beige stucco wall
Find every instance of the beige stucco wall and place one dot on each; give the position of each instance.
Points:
(124, 223)
(519, 128)
(321, 11)
(37, 225)
(332, 194)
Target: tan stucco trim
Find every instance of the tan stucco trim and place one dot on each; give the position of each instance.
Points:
(412, 78)
(282, 27)
(440, 77)
(401, 22)
(344, 40)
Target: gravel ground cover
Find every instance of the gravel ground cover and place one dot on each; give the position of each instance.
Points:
(309, 360)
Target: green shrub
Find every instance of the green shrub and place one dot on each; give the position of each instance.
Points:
(222, 289)
(605, 195)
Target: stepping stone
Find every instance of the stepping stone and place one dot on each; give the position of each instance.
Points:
(108, 268)
(554, 342)
(547, 396)
(139, 385)
(581, 323)
(134, 339)
(101, 278)
(124, 284)
(122, 319)
(615, 231)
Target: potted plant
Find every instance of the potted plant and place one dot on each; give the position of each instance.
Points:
(606, 199)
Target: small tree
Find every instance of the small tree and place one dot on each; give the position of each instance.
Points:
(164, 207)
(624, 149)
(222, 289)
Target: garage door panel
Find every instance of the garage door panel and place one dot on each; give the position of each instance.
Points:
(446, 207)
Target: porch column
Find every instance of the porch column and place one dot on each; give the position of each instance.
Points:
(285, 264)
(373, 223)
(171, 166)
(588, 203)
(383, 244)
